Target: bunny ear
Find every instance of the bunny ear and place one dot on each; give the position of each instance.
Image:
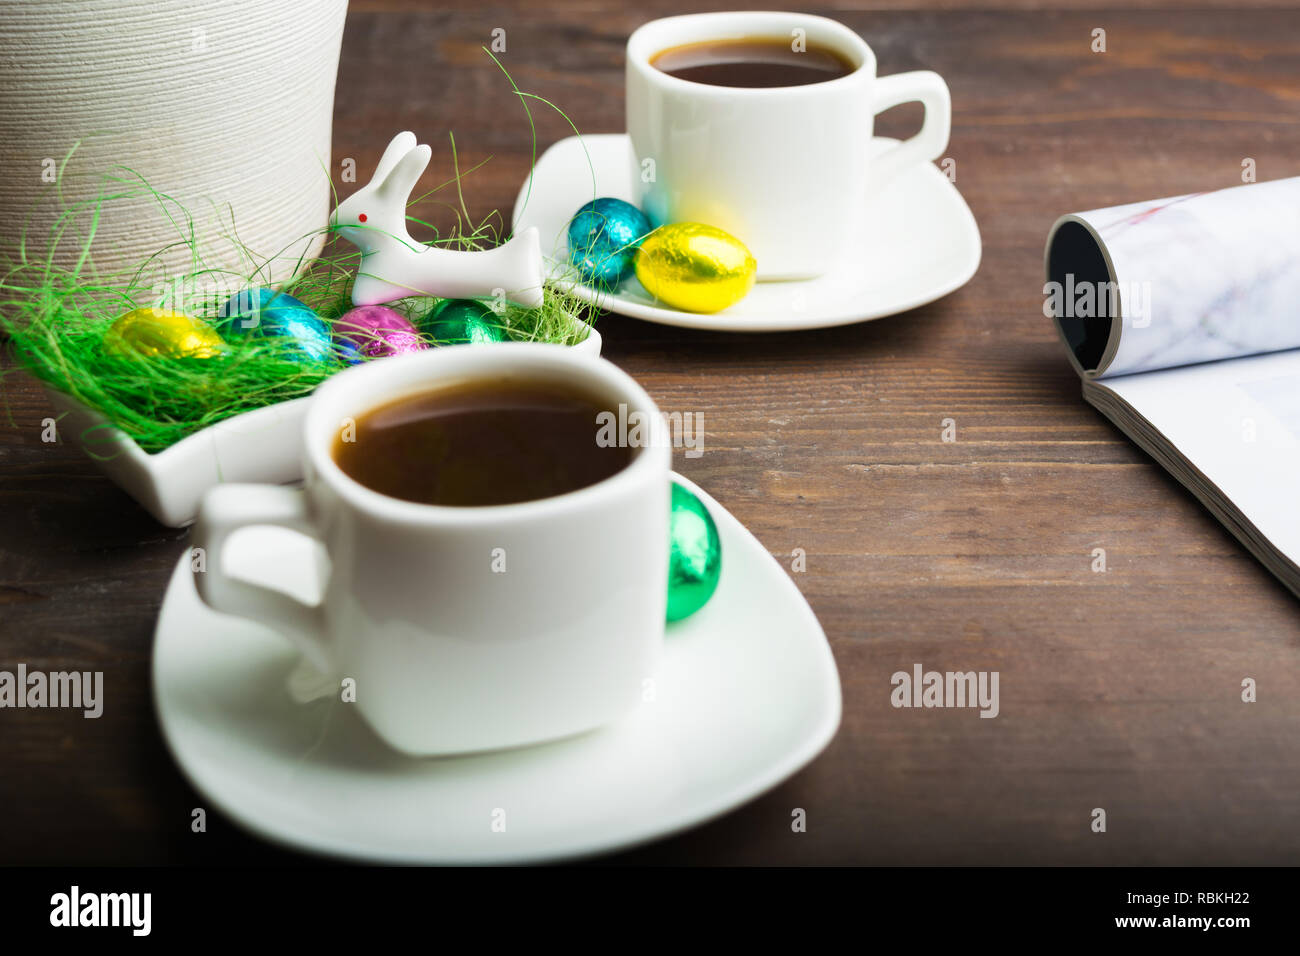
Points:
(400, 145)
(399, 183)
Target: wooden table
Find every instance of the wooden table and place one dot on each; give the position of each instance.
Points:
(1119, 690)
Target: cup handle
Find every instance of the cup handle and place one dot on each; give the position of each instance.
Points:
(929, 89)
(226, 509)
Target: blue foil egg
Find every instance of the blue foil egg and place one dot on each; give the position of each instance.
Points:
(603, 236)
(266, 312)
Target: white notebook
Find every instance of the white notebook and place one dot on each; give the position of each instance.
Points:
(1182, 316)
(1191, 345)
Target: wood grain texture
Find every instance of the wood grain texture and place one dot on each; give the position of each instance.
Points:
(1119, 690)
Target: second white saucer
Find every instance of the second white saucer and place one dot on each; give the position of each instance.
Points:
(747, 694)
(920, 242)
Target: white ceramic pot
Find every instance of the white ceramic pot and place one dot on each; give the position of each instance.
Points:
(225, 107)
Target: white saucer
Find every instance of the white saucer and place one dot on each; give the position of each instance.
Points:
(747, 694)
(922, 243)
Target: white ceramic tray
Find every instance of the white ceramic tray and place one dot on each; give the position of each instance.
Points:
(263, 446)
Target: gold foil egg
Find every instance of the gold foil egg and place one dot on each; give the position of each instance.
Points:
(159, 333)
(694, 267)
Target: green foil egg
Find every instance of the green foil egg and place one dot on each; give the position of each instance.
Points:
(694, 555)
(694, 267)
(461, 322)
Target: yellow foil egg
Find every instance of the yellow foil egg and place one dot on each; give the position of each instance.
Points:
(694, 267)
(159, 333)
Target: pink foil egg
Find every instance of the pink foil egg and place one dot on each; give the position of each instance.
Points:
(374, 331)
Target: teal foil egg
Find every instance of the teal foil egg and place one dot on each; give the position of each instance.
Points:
(603, 238)
(265, 312)
(694, 556)
(462, 322)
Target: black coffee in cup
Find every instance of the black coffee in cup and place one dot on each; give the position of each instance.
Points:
(481, 443)
(756, 62)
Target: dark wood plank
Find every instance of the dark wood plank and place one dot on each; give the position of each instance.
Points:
(1119, 690)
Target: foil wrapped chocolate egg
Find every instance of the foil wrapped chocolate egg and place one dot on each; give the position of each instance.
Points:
(694, 267)
(694, 555)
(158, 333)
(270, 314)
(462, 322)
(603, 239)
(374, 331)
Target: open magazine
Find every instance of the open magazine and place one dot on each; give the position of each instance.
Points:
(1182, 316)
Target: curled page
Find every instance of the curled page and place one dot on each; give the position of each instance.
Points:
(1177, 281)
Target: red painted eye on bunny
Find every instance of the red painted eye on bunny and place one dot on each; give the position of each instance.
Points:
(361, 218)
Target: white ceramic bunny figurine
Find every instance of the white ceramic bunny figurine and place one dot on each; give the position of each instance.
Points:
(394, 265)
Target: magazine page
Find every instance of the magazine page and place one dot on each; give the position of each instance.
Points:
(1237, 424)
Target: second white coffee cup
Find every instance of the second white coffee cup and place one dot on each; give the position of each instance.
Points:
(786, 170)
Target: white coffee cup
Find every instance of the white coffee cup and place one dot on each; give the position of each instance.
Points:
(785, 170)
(466, 628)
